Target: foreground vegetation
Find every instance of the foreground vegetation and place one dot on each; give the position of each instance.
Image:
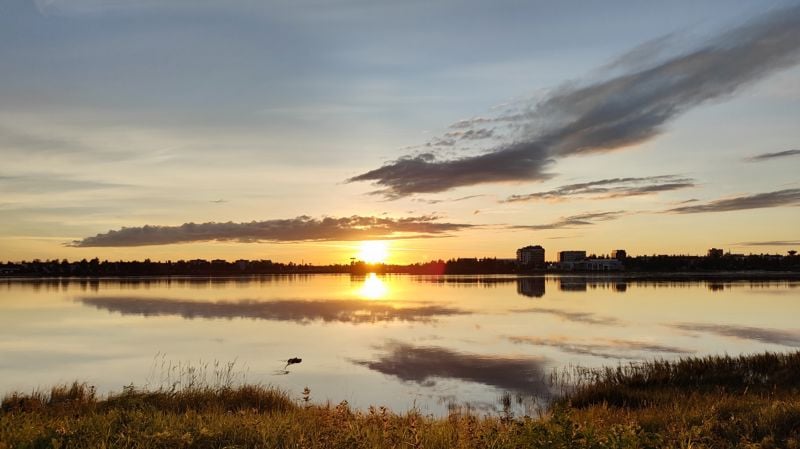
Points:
(714, 402)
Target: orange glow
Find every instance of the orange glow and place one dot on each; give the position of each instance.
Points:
(373, 251)
(373, 288)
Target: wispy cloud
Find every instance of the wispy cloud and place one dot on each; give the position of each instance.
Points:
(578, 317)
(573, 221)
(49, 183)
(605, 348)
(471, 134)
(609, 188)
(453, 200)
(299, 311)
(768, 156)
(297, 229)
(422, 365)
(609, 114)
(771, 243)
(788, 197)
(763, 335)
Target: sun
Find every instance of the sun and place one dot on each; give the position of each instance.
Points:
(373, 251)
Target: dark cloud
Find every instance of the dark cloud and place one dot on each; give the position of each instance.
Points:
(768, 156)
(788, 197)
(771, 243)
(609, 114)
(298, 229)
(610, 188)
(470, 122)
(605, 348)
(471, 134)
(422, 364)
(578, 317)
(575, 220)
(763, 335)
(424, 174)
(299, 311)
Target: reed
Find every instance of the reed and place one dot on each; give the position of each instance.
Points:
(710, 402)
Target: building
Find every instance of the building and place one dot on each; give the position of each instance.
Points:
(571, 256)
(619, 254)
(715, 252)
(531, 256)
(602, 265)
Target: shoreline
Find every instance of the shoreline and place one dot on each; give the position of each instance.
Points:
(620, 275)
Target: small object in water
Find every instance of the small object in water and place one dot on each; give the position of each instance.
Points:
(292, 361)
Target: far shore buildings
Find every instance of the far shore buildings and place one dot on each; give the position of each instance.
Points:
(576, 260)
(531, 256)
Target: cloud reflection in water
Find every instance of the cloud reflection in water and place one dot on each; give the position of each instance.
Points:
(604, 348)
(424, 364)
(300, 311)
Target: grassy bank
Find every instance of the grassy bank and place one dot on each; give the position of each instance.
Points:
(714, 402)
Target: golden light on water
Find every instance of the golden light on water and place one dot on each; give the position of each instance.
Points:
(373, 287)
(373, 251)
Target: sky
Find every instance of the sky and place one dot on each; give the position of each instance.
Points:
(294, 130)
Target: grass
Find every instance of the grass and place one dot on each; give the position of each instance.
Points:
(713, 402)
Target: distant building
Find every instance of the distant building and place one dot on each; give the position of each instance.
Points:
(531, 256)
(715, 252)
(602, 265)
(619, 254)
(571, 256)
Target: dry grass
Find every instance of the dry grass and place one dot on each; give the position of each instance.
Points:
(715, 402)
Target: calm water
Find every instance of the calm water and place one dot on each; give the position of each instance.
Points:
(385, 340)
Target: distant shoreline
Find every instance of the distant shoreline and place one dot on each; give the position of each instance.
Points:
(623, 276)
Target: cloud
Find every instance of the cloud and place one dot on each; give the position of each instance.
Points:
(771, 243)
(578, 317)
(297, 229)
(575, 220)
(788, 197)
(471, 134)
(48, 183)
(299, 311)
(424, 174)
(605, 348)
(608, 114)
(453, 200)
(768, 156)
(763, 335)
(422, 365)
(610, 188)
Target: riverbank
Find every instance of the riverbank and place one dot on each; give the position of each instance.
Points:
(695, 402)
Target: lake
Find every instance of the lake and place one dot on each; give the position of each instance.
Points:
(394, 340)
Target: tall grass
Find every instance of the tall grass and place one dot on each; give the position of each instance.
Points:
(711, 402)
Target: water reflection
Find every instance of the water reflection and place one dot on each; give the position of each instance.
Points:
(764, 335)
(373, 287)
(448, 334)
(531, 287)
(300, 311)
(424, 364)
(604, 348)
(577, 317)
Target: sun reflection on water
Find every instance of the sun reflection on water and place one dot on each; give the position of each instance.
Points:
(373, 287)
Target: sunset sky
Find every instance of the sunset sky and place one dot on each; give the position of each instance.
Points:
(294, 130)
